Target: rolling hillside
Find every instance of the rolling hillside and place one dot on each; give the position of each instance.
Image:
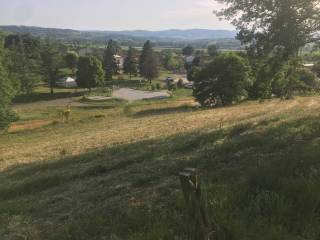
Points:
(111, 173)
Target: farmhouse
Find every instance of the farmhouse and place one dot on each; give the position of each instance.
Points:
(67, 82)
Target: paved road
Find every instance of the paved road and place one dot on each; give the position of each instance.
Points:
(133, 95)
(123, 93)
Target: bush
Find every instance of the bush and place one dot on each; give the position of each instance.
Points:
(180, 83)
(7, 117)
(225, 80)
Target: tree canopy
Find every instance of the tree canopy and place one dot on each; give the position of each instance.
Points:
(274, 32)
(225, 80)
(7, 91)
(90, 73)
(148, 64)
(130, 64)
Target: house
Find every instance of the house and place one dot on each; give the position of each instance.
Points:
(119, 60)
(308, 65)
(67, 82)
(189, 59)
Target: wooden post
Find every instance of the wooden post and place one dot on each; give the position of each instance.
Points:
(191, 188)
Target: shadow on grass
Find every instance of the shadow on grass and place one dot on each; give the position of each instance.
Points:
(163, 111)
(35, 97)
(260, 178)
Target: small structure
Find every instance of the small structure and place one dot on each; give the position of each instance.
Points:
(308, 65)
(85, 51)
(67, 82)
(119, 60)
(189, 59)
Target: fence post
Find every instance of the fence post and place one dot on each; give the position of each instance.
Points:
(191, 188)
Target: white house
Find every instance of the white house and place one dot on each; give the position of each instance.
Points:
(67, 82)
(189, 59)
(119, 60)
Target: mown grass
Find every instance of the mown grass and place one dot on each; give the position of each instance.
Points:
(259, 163)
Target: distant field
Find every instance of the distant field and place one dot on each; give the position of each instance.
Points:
(111, 171)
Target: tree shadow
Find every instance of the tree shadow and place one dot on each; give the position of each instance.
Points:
(35, 97)
(133, 189)
(164, 111)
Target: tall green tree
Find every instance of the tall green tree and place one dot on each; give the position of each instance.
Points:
(188, 50)
(225, 80)
(7, 91)
(90, 73)
(130, 64)
(52, 61)
(71, 59)
(274, 32)
(109, 62)
(148, 63)
(213, 50)
(24, 60)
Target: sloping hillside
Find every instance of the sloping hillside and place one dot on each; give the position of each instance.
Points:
(112, 173)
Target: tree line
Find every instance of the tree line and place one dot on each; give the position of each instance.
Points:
(26, 61)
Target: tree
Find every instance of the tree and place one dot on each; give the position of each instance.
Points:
(188, 50)
(130, 64)
(225, 80)
(7, 92)
(110, 64)
(274, 32)
(213, 50)
(24, 61)
(52, 58)
(148, 64)
(71, 59)
(90, 73)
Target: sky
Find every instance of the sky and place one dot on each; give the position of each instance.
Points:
(112, 14)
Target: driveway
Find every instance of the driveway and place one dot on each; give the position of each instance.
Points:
(133, 95)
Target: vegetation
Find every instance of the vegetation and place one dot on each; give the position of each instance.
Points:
(130, 64)
(148, 64)
(90, 73)
(52, 60)
(274, 32)
(7, 91)
(188, 50)
(71, 59)
(257, 161)
(224, 81)
(109, 61)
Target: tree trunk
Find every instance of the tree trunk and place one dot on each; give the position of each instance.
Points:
(51, 87)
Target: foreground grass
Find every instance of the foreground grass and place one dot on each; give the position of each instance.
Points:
(115, 177)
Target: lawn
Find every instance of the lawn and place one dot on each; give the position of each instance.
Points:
(111, 173)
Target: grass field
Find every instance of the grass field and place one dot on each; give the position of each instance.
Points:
(111, 171)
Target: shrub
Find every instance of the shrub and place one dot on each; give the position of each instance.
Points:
(7, 117)
(180, 83)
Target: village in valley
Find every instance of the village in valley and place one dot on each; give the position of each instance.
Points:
(208, 130)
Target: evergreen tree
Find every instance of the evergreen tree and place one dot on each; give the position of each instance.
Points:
(90, 73)
(24, 60)
(7, 91)
(71, 60)
(130, 65)
(148, 64)
(110, 64)
(52, 59)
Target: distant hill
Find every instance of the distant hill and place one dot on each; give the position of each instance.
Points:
(200, 38)
(173, 34)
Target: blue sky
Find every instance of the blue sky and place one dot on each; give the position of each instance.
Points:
(112, 14)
